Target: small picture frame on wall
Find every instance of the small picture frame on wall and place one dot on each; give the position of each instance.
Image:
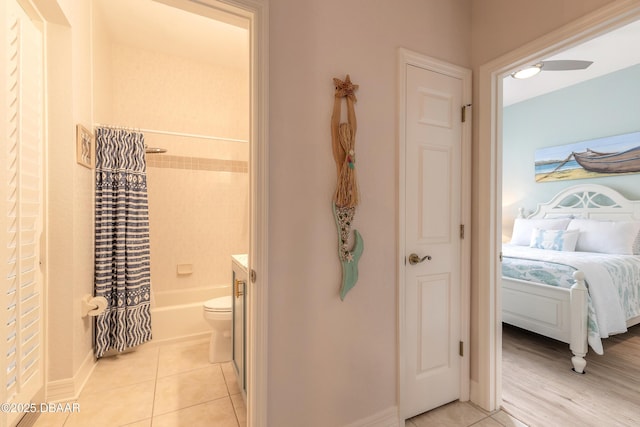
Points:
(85, 147)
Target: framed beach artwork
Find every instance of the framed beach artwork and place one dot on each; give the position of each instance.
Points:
(594, 158)
(85, 148)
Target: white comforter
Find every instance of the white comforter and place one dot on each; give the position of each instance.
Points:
(613, 282)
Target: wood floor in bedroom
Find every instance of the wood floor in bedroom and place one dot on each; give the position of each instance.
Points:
(540, 389)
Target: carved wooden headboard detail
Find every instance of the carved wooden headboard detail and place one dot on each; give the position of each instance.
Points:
(589, 201)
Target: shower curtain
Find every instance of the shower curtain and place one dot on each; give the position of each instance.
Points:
(122, 268)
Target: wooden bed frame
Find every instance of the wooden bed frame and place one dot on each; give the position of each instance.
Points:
(561, 313)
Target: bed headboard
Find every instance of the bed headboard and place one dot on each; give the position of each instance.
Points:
(589, 201)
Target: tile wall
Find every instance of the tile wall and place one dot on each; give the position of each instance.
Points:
(199, 189)
(198, 215)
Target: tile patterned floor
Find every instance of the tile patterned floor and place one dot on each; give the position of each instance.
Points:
(175, 386)
(164, 386)
(463, 414)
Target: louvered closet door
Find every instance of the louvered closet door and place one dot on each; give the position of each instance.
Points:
(22, 203)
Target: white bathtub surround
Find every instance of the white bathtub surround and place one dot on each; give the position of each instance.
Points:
(185, 305)
(198, 203)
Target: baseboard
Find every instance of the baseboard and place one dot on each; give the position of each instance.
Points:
(70, 388)
(477, 396)
(386, 418)
(474, 391)
(29, 420)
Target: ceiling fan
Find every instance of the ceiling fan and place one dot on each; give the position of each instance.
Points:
(552, 65)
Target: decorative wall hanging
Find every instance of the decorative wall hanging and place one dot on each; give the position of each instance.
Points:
(85, 147)
(345, 199)
(612, 155)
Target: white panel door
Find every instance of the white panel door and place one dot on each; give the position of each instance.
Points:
(432, 223)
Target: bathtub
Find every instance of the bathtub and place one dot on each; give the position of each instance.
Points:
(177, 315)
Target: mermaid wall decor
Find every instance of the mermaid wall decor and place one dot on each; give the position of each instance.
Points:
(346, 197)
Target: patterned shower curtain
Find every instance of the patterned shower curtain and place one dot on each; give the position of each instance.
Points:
(122, 269)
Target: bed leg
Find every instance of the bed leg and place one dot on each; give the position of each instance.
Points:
(579, 331)
(579, 363)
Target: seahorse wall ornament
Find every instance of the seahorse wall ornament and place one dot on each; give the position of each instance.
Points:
(345, 199)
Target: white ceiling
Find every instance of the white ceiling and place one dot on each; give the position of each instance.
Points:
(216, 38)
(610, 52)
(212, 36)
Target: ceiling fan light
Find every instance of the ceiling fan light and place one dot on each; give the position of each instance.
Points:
(525, 73)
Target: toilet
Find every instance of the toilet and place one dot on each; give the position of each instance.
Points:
(217, 312)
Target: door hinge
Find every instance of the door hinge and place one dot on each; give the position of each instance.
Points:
(462, 231)
(461, 349)
(500, 256)
(253, 276)
(463, 112)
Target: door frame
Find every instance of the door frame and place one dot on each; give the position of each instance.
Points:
(256, 368)
(486, 389)
(257, 314)
(405, 58)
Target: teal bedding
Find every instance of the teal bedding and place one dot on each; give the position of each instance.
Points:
(544, 272)
(613, 282)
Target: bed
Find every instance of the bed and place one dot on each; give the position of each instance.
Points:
(571, 271)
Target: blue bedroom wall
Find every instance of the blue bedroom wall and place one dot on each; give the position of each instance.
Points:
(604, 106)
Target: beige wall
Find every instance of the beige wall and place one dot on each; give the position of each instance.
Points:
(333, 362)
(157, 91)
(500, 26)
(198, 215)
(70, 191)
(330, 362)
(102, 75)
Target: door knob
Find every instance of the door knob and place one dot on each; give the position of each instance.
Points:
(415, 259)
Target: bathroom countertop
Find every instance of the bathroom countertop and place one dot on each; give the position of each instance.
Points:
(242, 260)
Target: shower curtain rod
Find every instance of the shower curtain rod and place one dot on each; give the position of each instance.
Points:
(167, 132)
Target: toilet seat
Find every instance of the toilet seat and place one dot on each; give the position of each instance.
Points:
(220, 304)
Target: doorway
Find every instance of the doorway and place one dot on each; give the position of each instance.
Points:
(537, 113)
(488, 394)
(244, 164)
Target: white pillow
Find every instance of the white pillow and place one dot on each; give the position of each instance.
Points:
(522, 228)
(607, 237)
(555, 240)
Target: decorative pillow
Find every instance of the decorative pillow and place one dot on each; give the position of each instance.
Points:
(522, 228)
(555, 240)
(608, 237)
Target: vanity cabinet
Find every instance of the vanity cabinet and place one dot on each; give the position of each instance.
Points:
(240, 287)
